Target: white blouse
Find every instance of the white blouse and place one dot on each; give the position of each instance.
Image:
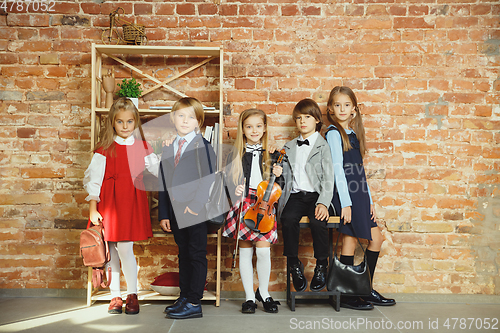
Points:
(94, 175)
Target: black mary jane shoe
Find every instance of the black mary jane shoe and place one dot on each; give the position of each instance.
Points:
(248, 307)
(376, 299)
(355, 303)
(270, 305)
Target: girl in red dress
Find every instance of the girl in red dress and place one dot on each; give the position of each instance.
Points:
(117, 197)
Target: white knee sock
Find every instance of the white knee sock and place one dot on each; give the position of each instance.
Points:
(129, 265)
(263, 270)
(246, 272)
(114, 263)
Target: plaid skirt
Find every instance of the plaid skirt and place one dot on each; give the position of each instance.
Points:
(245, 233)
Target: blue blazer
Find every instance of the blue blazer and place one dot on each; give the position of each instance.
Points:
(182, 183)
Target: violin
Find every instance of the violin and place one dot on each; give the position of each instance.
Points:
(260, 217)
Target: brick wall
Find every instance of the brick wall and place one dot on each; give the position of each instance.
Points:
(425, 72)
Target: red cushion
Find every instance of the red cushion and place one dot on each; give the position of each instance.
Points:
(168, 279)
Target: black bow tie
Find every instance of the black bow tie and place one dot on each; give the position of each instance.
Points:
(305, 142)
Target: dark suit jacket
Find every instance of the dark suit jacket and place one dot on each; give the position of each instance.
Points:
(182, 184)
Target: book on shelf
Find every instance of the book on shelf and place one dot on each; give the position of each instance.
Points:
(215, 138)
(208, 133)
(206, 108)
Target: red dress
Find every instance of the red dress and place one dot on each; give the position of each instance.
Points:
(124, 205)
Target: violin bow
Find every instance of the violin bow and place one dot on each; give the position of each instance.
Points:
(235, 252)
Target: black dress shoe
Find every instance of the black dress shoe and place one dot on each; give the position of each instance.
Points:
(318, 281)
(298, 278)
(248, 307)
(376, 299)
(270, 305)
(177, 305)
(187, 311)
(355, 303)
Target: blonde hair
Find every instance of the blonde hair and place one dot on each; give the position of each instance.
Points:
(239, 144)
(107, 135)
(187, 102)
(355, 123)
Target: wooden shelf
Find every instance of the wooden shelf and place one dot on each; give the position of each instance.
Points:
(147, 112)
(144, 295)
(111, 52)
(162, 50)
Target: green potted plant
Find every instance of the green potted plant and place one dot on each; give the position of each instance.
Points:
(131, 89)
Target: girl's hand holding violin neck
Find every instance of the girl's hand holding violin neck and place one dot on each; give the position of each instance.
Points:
(165, 225)
(239, 190)
(277, 170)
(346, 214)
(271, 148)
(321, 212)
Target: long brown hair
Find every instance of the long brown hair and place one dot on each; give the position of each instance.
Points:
(241, 140)
(356, 123)
(107, 135)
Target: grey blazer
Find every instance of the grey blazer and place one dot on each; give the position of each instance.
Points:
(319, 168)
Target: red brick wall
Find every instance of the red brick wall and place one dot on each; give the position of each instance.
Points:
(425, 72)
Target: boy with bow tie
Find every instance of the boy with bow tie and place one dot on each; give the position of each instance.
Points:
(308, 191)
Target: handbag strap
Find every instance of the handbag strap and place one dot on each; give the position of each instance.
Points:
(106, 245)
(354, 232)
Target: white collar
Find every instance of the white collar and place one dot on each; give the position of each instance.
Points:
(312, 138)
(126, 142)
(188, 137)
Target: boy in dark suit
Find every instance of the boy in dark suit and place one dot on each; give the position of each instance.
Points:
(308, 191)
(181, 203)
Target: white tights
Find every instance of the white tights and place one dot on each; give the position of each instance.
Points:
(124, 252)
(263, 271)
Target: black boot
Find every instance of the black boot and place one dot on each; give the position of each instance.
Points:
(318, 281)
(298, 278)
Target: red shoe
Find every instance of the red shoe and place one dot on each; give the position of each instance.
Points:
(115, 307)
(132, 306)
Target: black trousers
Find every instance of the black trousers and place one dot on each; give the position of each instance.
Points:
(192, 244)
(298, 205)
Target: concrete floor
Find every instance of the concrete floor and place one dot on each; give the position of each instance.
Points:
(413, 313)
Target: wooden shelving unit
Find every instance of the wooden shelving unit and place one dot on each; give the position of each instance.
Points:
(206, 55)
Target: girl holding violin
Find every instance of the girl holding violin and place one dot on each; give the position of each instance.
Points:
(251, 163)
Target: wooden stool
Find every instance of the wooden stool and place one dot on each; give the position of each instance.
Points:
(333, 223)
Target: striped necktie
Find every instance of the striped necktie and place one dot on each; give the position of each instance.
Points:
(179, 151)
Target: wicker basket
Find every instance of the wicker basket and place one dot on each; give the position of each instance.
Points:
(130, 32)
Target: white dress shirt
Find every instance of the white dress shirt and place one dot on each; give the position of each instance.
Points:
(188, 137)
(94, 175)
(301, 181)
(255, 174)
